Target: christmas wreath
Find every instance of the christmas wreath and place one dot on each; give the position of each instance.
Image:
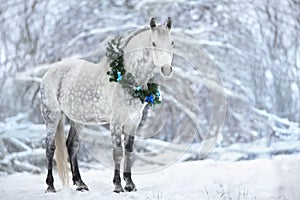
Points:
(117, 73)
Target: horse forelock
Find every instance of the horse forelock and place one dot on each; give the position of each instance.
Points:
(161, 29)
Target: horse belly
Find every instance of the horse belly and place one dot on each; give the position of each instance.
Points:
(85, 107)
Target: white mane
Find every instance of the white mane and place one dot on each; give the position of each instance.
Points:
(133, 34)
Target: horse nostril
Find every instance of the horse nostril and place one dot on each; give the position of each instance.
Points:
(162, 70)
(166, 70)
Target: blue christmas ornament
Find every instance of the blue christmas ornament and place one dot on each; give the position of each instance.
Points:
(119, 76)
(138, 88)
(149, 99)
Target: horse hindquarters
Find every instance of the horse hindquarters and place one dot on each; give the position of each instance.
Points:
(55, 140)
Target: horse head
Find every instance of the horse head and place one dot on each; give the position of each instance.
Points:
(162, 43)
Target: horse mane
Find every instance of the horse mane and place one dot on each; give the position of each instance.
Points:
(133, 34)
(138, 31)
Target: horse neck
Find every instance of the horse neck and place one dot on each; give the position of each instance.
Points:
(138, 58)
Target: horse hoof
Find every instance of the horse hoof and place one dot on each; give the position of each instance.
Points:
(81, 187)
(50, 189)
(118, 189)
(130, 187)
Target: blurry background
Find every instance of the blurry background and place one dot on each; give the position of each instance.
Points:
(254, 44)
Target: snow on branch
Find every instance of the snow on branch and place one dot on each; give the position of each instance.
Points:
(22, 161)
(220, 44)
(280, 125)
(29, 78)
(23, 155)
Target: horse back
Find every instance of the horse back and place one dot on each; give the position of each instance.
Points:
(72, 86)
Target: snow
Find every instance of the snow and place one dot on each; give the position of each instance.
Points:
(269, 75)
(235, 36)
(295, 88)
(276, 178)
(2, 55)
(217, 177)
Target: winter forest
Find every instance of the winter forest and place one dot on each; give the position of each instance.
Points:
(229, 123)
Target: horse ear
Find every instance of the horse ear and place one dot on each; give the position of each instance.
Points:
(169, 23)
(152, 22)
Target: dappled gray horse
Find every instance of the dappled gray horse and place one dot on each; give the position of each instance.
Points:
(81, 91)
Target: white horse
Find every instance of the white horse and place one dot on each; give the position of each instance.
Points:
(81, 91)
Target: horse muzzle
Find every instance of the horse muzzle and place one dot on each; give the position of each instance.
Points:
(166, 71)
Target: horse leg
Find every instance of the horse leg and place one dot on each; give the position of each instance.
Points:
(116, 132)
(73, 142)
(128, 143)
(52, 120)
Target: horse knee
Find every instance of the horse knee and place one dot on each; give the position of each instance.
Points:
(118, 154)
(128, 161)
(129, 143)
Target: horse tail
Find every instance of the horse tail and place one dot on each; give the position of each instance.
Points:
(61, 154)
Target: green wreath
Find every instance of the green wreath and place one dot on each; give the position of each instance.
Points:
(118, 74)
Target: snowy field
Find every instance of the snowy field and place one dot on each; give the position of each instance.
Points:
(276, 178)
(227, 173)
(252, 45)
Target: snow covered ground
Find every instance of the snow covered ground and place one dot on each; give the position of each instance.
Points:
(277, 178)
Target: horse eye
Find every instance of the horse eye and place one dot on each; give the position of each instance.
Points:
(153, 44)
(172, 43)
